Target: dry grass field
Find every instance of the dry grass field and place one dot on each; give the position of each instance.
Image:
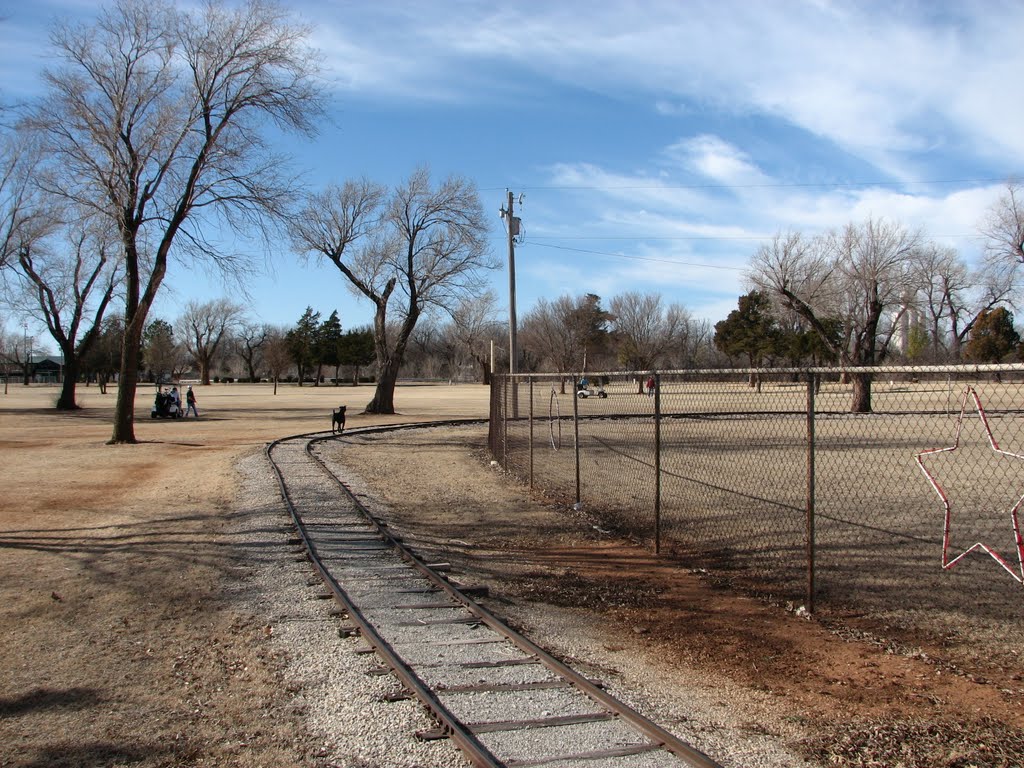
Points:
(734, 480)
(119, 646)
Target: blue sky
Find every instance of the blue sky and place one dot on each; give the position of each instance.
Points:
(657, 144)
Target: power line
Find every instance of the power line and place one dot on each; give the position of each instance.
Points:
(711, 238)
(765, 185)
(646, 237)
(639, 258)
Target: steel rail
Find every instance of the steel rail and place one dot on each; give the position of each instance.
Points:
(477, 753)
(461, 734)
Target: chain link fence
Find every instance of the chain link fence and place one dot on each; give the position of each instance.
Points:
(767, 478)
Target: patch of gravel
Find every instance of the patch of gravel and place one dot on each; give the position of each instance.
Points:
(348, 719)
(736, 727)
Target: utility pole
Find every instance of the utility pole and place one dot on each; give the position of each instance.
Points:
(512, 224)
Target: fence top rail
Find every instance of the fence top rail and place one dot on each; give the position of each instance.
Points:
(877, 370)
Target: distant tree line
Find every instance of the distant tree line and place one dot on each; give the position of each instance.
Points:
(875, 292)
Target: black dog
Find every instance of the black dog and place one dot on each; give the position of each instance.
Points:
(338, 419)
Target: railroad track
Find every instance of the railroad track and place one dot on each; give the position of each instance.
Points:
(503, 700)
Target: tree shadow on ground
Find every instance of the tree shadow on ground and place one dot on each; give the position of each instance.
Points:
(48, 698)
(94, 755)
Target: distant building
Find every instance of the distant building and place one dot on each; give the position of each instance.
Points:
(48, 369)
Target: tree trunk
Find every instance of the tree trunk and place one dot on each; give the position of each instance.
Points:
(384, 396)
(66, 401)
(127, 382)
(861, 393)
(388, 360)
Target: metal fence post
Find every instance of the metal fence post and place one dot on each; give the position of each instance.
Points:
(504, 422)
(810, 493)
(531, 433)
(576, 439)
(657, 463)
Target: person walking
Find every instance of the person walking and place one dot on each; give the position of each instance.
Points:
(190, 400)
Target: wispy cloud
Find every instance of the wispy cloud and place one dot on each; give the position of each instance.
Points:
(716, 160)
(887, 83)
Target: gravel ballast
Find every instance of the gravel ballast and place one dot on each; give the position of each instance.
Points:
(343, 694)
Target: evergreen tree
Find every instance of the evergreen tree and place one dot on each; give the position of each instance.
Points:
(750, 330)
(327, 341)
(993, 336)
(355, 348)
(301, 342)
(159, 349)
(588, 323)
(104, 357)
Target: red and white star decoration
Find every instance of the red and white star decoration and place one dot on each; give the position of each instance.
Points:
(1016, 571)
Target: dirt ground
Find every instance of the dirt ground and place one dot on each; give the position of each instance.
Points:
(119, 647)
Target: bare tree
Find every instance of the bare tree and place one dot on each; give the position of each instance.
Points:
(646, 332)
(562, 333)
(990, 287)
(861, 276)
(475, 328)
(203, 327)
(1003, 233)
(24, 219)
(943, 282)
(154, 120)
(69, 285)
(14, 354)
(419, 248)
(250, 340)
(20, 347)
(427, 354)
(277, 354)
(952, 297)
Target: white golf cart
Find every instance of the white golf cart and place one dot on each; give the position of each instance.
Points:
(584, 390)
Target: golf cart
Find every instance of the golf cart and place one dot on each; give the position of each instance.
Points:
(584, 390)
(166, 406)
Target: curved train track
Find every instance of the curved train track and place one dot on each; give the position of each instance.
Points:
(501, 698)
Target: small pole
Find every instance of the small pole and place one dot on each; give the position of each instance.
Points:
(810, 494)
(657, 463)
(531, 433)
(504, 422)
(576, 439)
